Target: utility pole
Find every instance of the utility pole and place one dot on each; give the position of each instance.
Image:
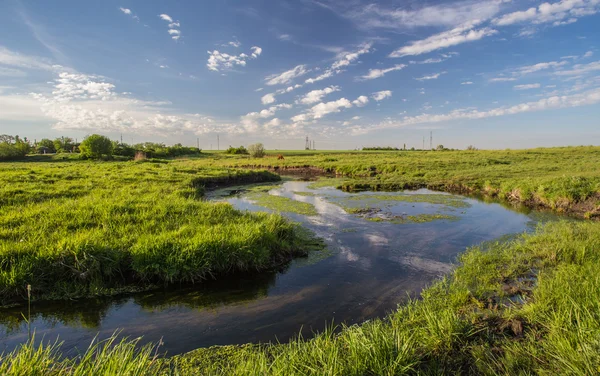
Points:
(423, 143)
(431, 140)
(198, 143)
(218, 143)
(121, 139)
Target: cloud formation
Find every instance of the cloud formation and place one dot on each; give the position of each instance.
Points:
(459, 35)
(376, 73)
(221, 61)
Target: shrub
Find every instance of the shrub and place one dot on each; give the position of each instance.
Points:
(240, 150)
(257, 150)
(96, 146)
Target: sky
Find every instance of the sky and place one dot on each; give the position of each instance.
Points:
(347, 74)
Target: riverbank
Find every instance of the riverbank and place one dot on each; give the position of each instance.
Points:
(528, 306)
(562, 179)
(77, 228)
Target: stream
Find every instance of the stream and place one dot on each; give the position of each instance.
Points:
(382, 248)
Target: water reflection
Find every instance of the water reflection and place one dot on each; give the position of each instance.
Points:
(373, 267)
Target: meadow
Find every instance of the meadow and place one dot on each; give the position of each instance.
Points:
(80, 228)
(528, 306)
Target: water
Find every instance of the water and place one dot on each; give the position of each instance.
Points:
(372, 267)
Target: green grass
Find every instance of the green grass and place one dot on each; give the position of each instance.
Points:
(467, 323)
(80, 228)
(556, 178)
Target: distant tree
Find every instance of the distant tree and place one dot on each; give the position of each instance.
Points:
(46, 144)
(96, 146)
(257, 150)
(234, 150)
(63, 145)
(13, 147)
(471, 147)
(440, 148)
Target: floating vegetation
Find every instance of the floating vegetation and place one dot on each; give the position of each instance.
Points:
(281, 204)
(438, 199)
(307, 194)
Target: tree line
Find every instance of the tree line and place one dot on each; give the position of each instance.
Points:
(94, 146)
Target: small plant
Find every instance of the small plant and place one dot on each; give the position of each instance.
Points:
(257, 150)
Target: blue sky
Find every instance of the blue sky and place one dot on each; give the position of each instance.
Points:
(346, 73)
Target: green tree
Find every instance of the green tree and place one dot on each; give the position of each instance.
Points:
(46, 143)
(96, 146)
(257, 150)
(63, 145)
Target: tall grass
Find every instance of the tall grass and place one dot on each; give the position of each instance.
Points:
(83, 228)
(468, 323)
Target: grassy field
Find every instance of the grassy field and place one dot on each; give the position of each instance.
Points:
(531, 306)
(78, 228)
(563, 179)
(526, 307)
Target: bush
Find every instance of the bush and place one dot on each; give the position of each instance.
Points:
(13, 147)
(96, 146)
(240, 150)
(257, 150)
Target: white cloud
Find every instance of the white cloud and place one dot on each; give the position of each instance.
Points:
(219, 61)
(235, 43)
(287, 76)
(580, 69)
(328, 73)
(316, 95)
(502, 79)
(526, 87)
(88, 103)
(452, 14)
(165, 17)
(256, 51)
(174, 33)
(540, 66)
(322, 109)
(344, 59)
(17, 60)
(381, 95)
(554, 102)
(588, 54)
(268, 98)
(560, 13)
(126, 11)
(434, 76)
(376, 73)
(462, 34)
(361, 101)
(467, 83)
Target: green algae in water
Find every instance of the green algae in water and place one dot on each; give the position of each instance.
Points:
(308, 194)
(447, 200)
(282, 204)
(326, 182)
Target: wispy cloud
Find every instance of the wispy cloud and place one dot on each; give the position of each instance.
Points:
(315, 96)
(559, 13)
(526, 86)
(376, 73)
(459, 35)
(434, 76)
(287, 76)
